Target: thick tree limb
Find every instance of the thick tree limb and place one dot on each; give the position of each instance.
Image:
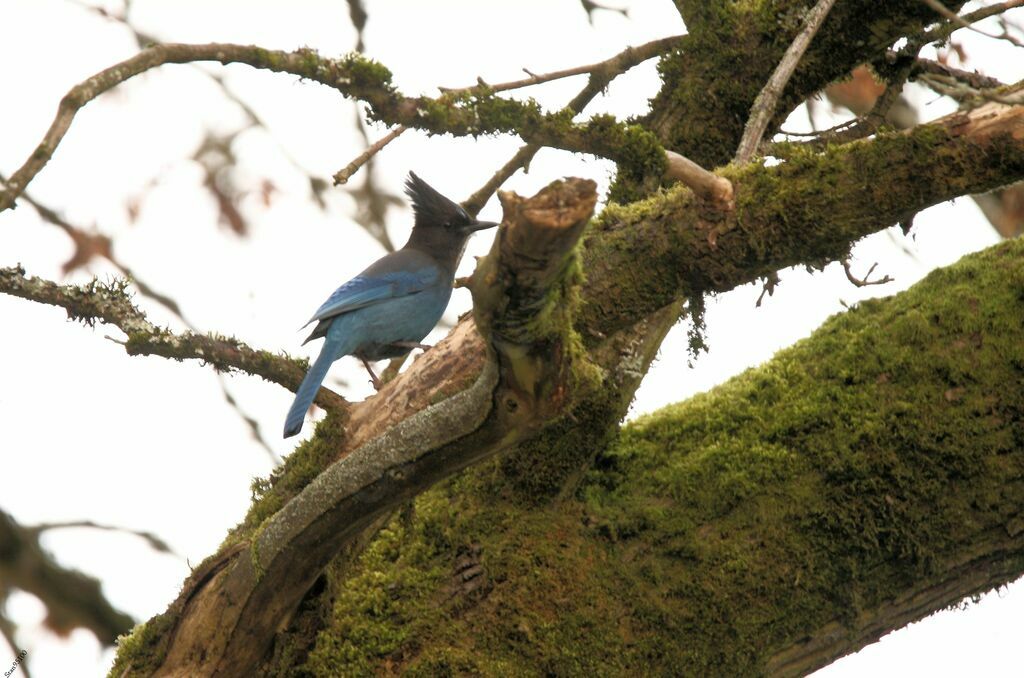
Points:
(807, 210)
(111, 303)
(858, 481)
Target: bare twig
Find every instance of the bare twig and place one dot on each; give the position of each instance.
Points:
(965, 22)
(104, 249)
(589, 6)
(764, 105)
(343, 175)
(705, 184)
(972, 78)
(869, 123)
(474, 203)
(864, 282)
(110, 303)
(942, 32)
(155, 542)
(254, 426)
(601, 74)
(357, 13)
(771, 281)
(961, 91)
(614, 66)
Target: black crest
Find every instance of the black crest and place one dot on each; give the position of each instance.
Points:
(430, 207)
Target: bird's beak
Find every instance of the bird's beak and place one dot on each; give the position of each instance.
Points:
(481, 225)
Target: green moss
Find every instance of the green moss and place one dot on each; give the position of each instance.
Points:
(717, 531)
(711, 80)
(140, 652)
(365, 73)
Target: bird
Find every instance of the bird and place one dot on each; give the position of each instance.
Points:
(387, 310)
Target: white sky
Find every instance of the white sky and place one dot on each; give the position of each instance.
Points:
(89, 433)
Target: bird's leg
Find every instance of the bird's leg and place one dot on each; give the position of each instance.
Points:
(411, 345)
(373, 377)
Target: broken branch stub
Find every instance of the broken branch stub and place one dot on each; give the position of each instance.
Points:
(524, 295)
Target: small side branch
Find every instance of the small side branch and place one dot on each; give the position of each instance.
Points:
(943, 32)
(932, 67)
(865, 281)
(616, 65)
(344, 174)
(155, 542)
(705, 184)
(964, 22)
(111, 303)
(764, 105)
(601, 74)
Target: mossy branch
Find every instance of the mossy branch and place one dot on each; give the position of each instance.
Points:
(639, 260)
(471, 111)
(807, 210)
(709, 87)
(858, 481)
(111, 303)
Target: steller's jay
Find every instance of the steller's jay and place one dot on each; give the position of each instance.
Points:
(387, 309)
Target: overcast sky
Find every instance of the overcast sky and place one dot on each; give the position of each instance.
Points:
(89, 433)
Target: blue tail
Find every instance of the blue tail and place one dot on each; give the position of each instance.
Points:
(309, 387)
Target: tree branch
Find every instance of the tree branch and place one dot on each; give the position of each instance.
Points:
(963, 22)
(861, 479)
(72, 599)
(599, 79)
(942, 32)
(703, 183)
(110, 303)
(466, 113)
(764, 105)
(344, 174)
(606, 70)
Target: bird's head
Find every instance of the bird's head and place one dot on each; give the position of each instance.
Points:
(434, 211)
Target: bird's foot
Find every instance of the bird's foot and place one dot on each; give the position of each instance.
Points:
(373, 377)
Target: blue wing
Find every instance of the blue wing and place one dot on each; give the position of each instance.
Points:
(365, 290)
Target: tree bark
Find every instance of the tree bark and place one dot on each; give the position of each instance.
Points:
(858, 481)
